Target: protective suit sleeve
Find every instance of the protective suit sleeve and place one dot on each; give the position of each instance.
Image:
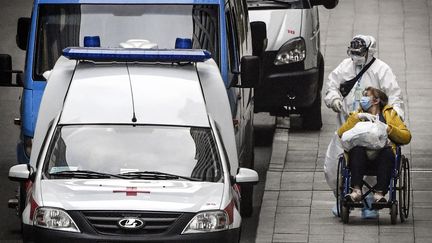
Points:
(332, 86)
(350, 123)
(398, 132)
(389, 85)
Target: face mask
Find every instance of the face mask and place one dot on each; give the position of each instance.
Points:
(358, 60)
(365, 103)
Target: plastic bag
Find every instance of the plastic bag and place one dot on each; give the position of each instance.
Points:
(334, 150)
(372, 135)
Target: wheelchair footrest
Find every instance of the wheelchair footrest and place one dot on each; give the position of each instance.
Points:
(380, 205)
(354, 204)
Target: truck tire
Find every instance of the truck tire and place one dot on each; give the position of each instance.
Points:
(330, 4)
(5, 68)
(312, 119)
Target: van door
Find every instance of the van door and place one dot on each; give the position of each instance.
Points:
(240, 44)
(244, 43)
(316, 30)
(234, 94)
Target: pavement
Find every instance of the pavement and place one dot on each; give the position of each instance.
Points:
(297, 201)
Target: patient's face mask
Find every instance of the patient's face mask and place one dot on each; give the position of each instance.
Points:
(366, 103)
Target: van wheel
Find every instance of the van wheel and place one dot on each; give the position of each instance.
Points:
(21, 202)
(246, 203)
(5, 66)
(312, 119)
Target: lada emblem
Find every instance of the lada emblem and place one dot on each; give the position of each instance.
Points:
(131, 223)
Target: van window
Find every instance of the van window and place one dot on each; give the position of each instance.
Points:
(60, 26)
(232, 39)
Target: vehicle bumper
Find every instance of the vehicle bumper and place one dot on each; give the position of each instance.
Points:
(279, 83)
(36, 234)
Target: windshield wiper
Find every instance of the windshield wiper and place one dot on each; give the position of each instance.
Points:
(156, 175)
(257, 4)
(86, 174)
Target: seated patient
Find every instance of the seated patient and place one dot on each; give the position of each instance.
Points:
(374, 106)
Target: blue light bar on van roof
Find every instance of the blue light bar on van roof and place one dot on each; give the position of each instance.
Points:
(136, 55)
(220, 2)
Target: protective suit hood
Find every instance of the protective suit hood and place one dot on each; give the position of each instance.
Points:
(371, 43)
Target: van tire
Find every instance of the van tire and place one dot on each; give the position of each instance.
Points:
(246, 203)
(246, 190)
(312, 119)
(21, 202)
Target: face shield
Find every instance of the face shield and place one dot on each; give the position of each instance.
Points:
(358, 51)
(357, 47)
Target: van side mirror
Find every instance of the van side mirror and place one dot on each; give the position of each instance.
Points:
(23, 30)
(259, 37)
(328, 4)
(245, 175)
(6, 72)
(20, 173)
(250, 72)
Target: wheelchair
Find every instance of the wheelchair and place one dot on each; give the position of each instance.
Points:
(399, 186)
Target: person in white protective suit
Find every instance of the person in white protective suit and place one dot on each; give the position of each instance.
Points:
(362, 70)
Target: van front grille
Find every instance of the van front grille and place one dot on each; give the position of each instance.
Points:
(107, 222)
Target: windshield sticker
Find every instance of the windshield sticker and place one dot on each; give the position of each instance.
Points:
(58, 169)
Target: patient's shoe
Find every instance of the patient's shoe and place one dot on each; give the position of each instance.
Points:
(354, 196)
(379, 197)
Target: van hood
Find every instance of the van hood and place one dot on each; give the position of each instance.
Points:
(145, 195)
(282, 25)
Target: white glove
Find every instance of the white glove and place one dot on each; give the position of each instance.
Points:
(366, 116)
(337, 105)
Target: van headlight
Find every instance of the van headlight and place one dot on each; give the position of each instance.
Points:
(54, 218)
(210, 221)
(292, 51)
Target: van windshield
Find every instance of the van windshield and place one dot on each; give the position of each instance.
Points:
(61, 26)
(187, 152)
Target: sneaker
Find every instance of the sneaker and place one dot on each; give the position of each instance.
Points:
(368, 213)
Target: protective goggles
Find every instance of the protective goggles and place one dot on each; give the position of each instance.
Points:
(357, 47)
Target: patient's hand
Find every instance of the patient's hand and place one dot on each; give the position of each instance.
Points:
(366, 116)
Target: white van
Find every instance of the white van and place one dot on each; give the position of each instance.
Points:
(219, 26)
(134, 146)
(293, 66)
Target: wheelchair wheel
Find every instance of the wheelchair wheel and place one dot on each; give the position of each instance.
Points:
(339, 187)
(393, 213)
(345, 213)
(404, 189)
